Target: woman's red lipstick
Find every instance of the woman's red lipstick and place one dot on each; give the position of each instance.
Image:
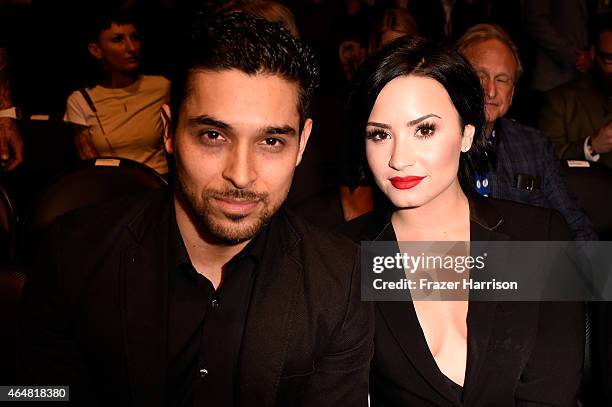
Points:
(406, 182)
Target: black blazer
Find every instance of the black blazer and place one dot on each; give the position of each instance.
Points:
(519, 353)
(95, 313)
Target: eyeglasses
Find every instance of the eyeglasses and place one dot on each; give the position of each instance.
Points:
(606, 57)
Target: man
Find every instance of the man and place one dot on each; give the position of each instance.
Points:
(578, 115)
(213, 294)
(526, 167)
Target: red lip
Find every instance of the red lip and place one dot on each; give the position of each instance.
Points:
(406, 182)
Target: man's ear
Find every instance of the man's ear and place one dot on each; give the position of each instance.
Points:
(304, 135)
(468, 138)
(166, 117)
(94, 50)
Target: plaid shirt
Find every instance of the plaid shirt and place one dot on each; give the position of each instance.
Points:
(524, 150)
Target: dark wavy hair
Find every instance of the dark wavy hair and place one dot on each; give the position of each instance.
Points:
(249, 44)
(420, 57)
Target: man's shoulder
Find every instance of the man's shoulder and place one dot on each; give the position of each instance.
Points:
(315, 238)
(326, 257)
(521, 135)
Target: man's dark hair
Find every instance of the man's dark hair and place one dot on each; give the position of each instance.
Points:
(249, 44)
(420, 57)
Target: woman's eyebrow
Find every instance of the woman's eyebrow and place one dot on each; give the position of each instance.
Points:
(381, 125)
(420, 119)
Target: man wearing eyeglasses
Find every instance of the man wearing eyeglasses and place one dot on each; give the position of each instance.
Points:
(578, 115)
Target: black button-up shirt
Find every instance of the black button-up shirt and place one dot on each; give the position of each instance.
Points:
(205, 326)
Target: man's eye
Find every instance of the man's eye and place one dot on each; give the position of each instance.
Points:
(272, 143)
(212, 137)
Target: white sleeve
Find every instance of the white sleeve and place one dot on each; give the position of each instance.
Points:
(76, 109)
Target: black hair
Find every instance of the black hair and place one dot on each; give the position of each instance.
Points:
(602, 24)
(249, 44)
(421, 57)
(104, 18)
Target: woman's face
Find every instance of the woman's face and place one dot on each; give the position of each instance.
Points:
(118, 47)
(414, 139)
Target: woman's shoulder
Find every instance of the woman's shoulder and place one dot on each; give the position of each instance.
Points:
(155, 81)
(524, 222)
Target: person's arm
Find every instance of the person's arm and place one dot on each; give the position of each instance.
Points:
(11, 143)
(75, 116)
(553, 373)
(559, 198)
(341, 375)
(554, 112)
(548, 37)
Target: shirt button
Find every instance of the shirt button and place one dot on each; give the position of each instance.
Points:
(214, 304)
(203, 373)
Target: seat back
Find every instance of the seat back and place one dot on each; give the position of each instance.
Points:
(11, 285)
(592, 188)
(89, 182)
(8, 222)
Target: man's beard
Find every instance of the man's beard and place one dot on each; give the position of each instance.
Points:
(202, 215)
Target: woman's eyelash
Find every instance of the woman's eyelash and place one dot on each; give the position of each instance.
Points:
(425, 130)
(376, 135)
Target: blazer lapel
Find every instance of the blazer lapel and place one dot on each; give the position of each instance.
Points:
(266, 333)
(401, 319)
(144, 304)
(485, 222)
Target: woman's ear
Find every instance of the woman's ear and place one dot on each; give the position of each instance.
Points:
(94, 50)
(468, 138)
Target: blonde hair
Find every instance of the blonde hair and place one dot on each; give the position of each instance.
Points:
(393, 19)
(484, 32)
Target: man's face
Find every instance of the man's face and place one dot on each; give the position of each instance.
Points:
(236, 147)
(496, 67)
(604, 55)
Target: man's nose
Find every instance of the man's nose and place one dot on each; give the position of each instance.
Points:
(240, 167)
(489, 88)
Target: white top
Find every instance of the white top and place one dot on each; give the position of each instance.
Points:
(130, 117)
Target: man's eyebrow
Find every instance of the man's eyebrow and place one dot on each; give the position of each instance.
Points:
(381, 125)
(420, 119)
(204, 120)
(286, 130)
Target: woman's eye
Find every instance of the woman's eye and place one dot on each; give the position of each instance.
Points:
(377, 135)
(425, 131)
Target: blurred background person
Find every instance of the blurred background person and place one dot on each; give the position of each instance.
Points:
(578, 115)
(526, 168)
(392, 24)
(120, 115)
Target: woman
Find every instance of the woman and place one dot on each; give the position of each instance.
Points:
(417, 119)
(120, 116)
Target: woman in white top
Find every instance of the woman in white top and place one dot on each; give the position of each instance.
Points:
(120, 116)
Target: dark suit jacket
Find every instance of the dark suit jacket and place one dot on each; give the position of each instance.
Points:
(95, 313)
(524, 150)
(572, 112)
(519, 353)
